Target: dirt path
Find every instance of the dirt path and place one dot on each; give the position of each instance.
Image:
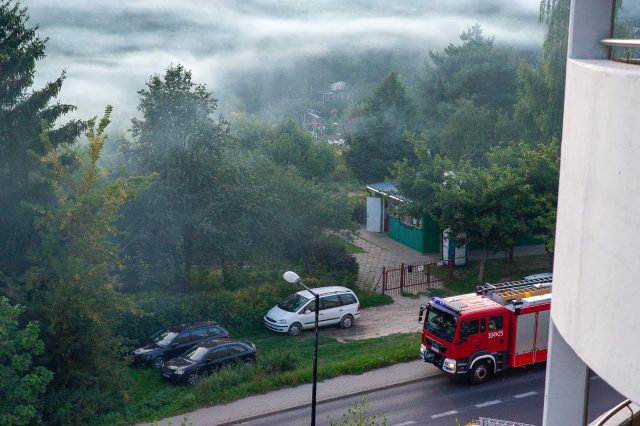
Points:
(399, 317)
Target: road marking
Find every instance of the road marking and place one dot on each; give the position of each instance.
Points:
(526, 394)
(488, 403)
(448, 413)
(410, 422)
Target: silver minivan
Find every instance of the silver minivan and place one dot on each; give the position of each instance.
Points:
(338, 306)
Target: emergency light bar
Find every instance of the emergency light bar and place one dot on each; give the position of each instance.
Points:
(444, 304)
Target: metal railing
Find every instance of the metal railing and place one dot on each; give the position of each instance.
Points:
(615, 410)
(484, 421)
(626, 44)
(413, 277)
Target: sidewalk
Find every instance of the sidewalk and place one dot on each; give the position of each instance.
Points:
(293, 398)
(380, 250)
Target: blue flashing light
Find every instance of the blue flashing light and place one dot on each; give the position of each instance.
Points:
(444, 304)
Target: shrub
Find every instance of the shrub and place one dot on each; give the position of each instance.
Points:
(359, 213)
(204, 279)
(370, 298)
(278, 362)
(239, 311)
(213, 387)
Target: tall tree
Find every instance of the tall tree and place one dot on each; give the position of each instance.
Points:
(483, 205)
(540, 105)
(21, 114)
(377, 139)
(492, 205)
(286, 143)
(177, 138)
(539, 168)
(466, 96)
(69, 285)
(476, 69)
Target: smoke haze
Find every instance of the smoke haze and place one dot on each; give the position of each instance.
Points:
(110, 48)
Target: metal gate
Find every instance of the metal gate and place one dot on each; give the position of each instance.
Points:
(414, 277)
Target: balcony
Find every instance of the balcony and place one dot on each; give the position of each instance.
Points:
(623, 50)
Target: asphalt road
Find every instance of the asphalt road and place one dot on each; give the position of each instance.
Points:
(515, 395)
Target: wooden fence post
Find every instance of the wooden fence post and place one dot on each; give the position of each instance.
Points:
(402, 278)
(384, 281)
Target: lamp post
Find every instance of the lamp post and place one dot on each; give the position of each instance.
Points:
(293, 278)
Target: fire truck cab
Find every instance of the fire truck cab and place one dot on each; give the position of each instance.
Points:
(500, 326)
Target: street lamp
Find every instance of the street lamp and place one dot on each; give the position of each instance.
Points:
(293, 278)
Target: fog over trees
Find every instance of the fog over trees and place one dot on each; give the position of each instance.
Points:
(164, 163)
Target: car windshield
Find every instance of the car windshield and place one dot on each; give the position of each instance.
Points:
(293, 303)
(196, 354)
(165, 338)
(441, 324)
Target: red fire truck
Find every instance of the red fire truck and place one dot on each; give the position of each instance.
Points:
(500, 326)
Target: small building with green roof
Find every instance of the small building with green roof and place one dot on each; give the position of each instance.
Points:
(383, 215)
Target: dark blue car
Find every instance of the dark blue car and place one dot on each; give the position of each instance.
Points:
(207, 358)
(175, 340)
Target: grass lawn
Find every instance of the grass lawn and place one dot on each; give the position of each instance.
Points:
(283, 361)
(348, 245)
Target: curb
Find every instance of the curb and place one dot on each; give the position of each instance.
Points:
(326, 400)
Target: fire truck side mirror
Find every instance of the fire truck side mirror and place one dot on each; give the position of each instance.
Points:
(422, 309)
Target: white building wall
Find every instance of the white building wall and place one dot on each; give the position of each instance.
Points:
(597, 273)
(595, 317)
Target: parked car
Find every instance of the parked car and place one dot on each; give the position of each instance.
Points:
(338, 305)
(206, 358)
(175, 340)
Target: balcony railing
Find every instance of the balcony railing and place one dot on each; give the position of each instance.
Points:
(622, 414)
(616, 45)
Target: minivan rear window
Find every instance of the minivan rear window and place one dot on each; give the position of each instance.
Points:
(347, 299)
(329, 302)
(293, 303)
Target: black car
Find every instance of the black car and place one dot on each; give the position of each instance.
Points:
(206, 358)
(174, 341)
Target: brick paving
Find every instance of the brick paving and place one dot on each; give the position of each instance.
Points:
(382, 251)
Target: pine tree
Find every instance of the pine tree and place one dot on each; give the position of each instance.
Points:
(21, 114)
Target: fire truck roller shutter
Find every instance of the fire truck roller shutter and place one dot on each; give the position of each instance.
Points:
(542, 336)
(525, 333)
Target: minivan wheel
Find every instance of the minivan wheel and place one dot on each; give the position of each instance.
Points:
(158, 362)
(346, 321)
(295, 329)
(192, 378)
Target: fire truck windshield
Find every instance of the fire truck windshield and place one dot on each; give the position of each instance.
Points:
(441, 324)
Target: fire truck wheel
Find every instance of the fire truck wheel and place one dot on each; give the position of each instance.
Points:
(480, 372)
(346, 321)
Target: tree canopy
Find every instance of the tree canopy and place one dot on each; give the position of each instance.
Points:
(377, 140)
(21, 113)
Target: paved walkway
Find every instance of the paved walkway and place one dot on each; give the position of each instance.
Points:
(300, 396)
(380, 250)
(399, 317)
